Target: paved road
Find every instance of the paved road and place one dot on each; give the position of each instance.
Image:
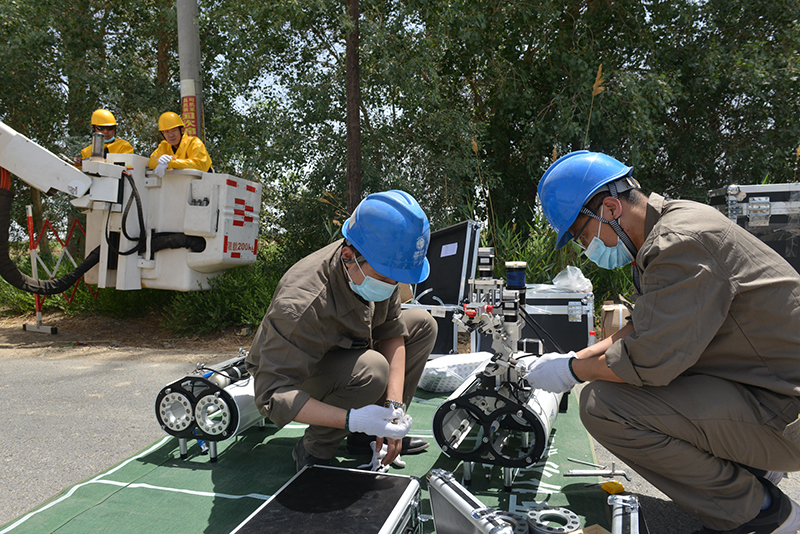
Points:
(69, 414)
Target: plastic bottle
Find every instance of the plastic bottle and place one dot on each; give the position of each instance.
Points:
(592, 338)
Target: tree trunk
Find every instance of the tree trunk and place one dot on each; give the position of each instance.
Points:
(353, 92)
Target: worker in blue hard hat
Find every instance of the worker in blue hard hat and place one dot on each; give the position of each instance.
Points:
(336, 351)
(700, 393)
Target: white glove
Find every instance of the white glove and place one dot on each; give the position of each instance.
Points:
(551, 372)
(160, 169)
(377, 456)
(165, 159)
(375, 420)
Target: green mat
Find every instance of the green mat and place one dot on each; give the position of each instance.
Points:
(156, 491)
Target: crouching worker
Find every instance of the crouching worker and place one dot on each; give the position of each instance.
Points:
(701, 393)
(335, 350)
(178, 150)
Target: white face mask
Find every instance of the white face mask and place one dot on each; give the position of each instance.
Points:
(371, 289)
(607, 257)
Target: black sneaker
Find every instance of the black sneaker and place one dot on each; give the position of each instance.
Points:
(782, 517)
(302, 458)
(358, 443)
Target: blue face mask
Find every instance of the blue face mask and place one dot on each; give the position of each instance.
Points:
(370, 289)
(111, 140)
(607, 257)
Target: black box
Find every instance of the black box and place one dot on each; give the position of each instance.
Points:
(771, 212)
(453, 255)
(323, 499)
(565, 316)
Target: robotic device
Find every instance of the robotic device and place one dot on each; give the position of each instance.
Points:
(174, 232)
(495, 417)
(212, 404)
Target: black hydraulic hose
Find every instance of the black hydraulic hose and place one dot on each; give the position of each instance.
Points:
(164, 240)
(12, 275)
(142, 240)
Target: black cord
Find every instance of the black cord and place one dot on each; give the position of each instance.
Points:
(142, 239)
(541, 331)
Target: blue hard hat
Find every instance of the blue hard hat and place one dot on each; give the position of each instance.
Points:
(570, 182)
(392, 233)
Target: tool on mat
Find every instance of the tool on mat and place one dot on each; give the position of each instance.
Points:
(613, 472)
(590, 464)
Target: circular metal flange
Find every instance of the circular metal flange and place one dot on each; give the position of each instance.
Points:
(518, 522)
(212, 414)
(538, 519)
(175, 411)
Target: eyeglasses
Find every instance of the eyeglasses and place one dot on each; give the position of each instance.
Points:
(577, 237)
(103, 128)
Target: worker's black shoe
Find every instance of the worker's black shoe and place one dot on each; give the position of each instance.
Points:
(358, 443)
(302, 458)
(782, 517)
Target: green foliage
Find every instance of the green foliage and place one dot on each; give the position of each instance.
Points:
(237, 297)
(118, 304)
(464, 102)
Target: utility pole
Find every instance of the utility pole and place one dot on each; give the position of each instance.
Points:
(189, 59)
(353, 96)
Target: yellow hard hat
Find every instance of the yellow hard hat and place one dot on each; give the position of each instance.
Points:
(103, 117)
(169, 120)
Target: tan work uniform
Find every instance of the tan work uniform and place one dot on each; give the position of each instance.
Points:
(191, 154)
(317, 340)
(712, 369)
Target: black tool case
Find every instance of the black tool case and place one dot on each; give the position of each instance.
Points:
(323, 499)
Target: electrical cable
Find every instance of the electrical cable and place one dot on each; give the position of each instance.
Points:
(142, 239)
(530, 321)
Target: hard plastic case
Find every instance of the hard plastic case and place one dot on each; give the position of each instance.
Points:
(453, 255)
(771, 212)
(324, 499)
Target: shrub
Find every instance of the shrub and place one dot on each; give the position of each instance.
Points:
(238, 297)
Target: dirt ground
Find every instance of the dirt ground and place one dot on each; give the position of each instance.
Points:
(104, 338)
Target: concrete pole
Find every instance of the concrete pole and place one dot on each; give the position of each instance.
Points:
(189, 59)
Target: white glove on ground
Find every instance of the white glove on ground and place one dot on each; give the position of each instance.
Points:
(160, 169)
(165, 159)
(375, 420)
(551, 372)
(377, 456)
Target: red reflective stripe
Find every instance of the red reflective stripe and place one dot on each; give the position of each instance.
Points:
(232, 183)
(225, 245)
(239, 212)
(248, 208)
(239, 201)
(235, 255)
(251, 188)
(248, 219)
(238, 223)
(255, 247)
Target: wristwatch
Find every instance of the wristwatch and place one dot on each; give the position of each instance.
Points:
(394, 404)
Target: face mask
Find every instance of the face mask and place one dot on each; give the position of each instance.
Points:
(607, 257)
(111, 140)
(370, 289)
